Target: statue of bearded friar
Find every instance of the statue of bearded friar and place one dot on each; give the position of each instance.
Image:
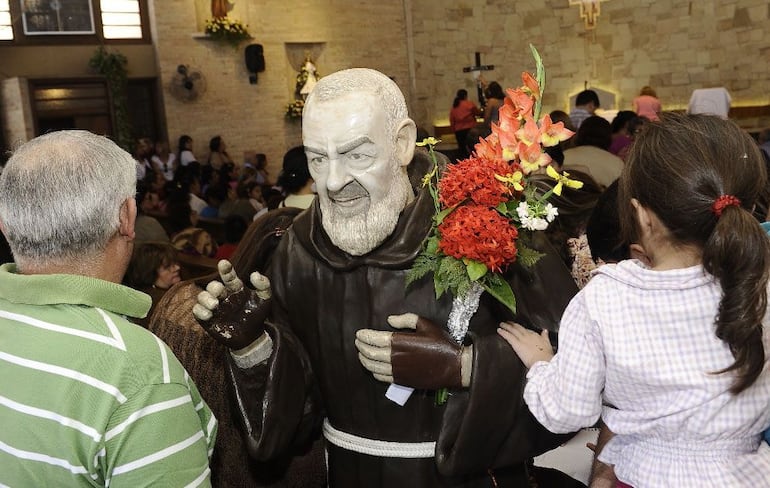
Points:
(319, 333)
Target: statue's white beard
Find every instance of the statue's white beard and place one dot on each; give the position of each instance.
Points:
(361, 233)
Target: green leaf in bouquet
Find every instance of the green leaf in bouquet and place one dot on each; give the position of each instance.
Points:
(526, 256)
(424, 264)
(431, 246)
(442, 215)
(475, 269)
(496, 286)
(453, 276)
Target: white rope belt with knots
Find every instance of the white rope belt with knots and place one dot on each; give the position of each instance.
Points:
(374, 447)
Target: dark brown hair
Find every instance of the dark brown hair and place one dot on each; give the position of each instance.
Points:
(677, 168)
(575, 208)
(146, 259)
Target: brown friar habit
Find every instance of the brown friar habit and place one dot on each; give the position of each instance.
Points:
(322, 296)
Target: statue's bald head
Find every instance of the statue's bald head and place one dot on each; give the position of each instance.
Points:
(363, 80)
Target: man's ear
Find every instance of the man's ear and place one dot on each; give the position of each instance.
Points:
(406, 137)
(128, 219)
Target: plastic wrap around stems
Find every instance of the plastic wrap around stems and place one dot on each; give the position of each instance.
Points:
(463, 309)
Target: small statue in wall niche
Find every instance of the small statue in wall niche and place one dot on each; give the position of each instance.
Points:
(311, 79)
(219, 8)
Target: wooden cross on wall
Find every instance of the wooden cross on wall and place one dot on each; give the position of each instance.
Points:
(476, 69)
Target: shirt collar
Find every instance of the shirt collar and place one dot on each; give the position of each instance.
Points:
(56, 289)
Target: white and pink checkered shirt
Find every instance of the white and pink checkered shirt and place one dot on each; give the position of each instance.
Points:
(637, 347)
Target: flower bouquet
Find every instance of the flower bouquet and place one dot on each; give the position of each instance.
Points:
(484, 209)
(227, 30)
(294, 108)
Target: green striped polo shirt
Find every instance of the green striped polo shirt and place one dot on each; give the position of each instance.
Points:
(88, 398)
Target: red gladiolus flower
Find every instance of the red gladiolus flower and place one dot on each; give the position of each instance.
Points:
(481, 234)
(474, 179)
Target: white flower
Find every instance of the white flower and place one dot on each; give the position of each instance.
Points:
(523, 211)
(551, 212)
(534, 223)
(539, 224)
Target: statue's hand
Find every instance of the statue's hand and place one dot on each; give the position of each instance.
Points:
(231, 313)
(427, 359)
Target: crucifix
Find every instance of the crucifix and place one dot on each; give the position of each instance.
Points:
(476, 69)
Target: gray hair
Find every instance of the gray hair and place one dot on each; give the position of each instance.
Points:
(363, 80)
(61, 194)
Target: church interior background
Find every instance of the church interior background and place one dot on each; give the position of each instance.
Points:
(673, 46)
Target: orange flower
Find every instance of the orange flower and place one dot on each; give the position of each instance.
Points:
(532, 157)
(529, 133)
(488, 148)
(551, 134)
(519, 102)
(531, 84)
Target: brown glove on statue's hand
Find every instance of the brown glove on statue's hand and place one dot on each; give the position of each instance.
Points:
(427, 358)
(232, 314)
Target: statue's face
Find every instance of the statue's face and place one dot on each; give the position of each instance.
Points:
(362, 186)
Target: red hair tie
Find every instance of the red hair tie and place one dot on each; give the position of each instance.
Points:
(722, 202)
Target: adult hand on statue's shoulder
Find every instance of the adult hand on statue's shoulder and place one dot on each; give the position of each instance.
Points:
(232, 314)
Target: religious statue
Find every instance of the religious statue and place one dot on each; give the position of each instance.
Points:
(299, 335)
(219, 8)
(311, 79)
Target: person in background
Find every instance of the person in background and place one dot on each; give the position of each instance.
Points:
(237, 202)
(164, 162)
(647, 104)
(142, 155)
(586, 103)
(185, 236)
(295, 180)
(235, 227)
(591, 155)
(688, 398)
(218, 155)
(88, 398)
(567, 233)
(462, 118)
(622, 137)
(153, 270)
(495, 97)
(147, 227)
(185, 154)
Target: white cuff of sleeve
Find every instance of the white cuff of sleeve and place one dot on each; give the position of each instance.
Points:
(255, 353)
(466, 366)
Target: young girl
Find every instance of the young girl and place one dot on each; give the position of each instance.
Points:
(671, 355)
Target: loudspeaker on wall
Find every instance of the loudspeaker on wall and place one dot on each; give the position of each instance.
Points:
(255, 61)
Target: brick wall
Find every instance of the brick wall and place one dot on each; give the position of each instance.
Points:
(673, 46)
(342, 33)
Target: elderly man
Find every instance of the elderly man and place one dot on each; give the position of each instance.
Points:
(86, 397)
(310, 339)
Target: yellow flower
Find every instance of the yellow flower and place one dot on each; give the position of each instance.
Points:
(562, 179)
(429, 141)
(513, 180)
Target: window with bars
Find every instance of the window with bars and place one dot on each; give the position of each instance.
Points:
(121, 19)
(79, 21)
(6, 28)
